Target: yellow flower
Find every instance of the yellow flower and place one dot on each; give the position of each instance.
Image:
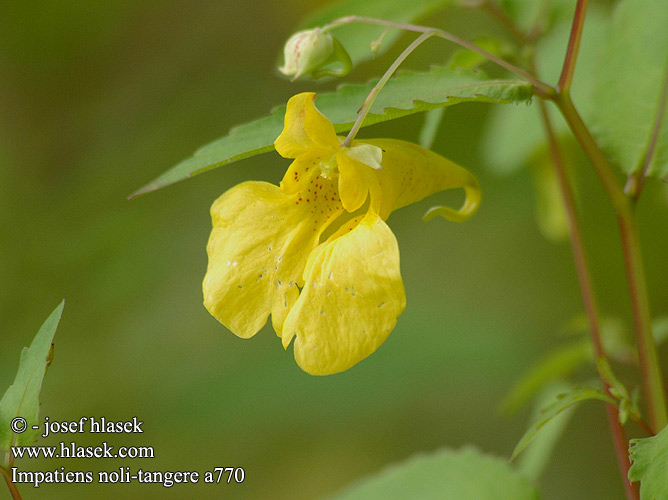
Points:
(316, 253)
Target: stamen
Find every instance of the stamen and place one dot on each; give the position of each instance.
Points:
(329, 168)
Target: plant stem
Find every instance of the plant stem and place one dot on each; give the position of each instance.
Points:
(502, 18)
(368, 102)
(579, 256)
(649, 362)
(651, 148)
(588, 296)
(621, 449)
(12, 487)
(568, 68)
(541, 88)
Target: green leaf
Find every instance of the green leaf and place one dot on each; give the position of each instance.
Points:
(407, 93)
(357, 37)
(536, 457)
(649, 457)
(465, 474)
(529, 14)
(626, 403)
(515, 134)
(630, 78)
(558, 364)
(22, 397)
(563, 402)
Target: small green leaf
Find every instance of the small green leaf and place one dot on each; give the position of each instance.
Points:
(649, 457)
(630, 79)
(536, 457)
(627, 404)
(563, 402)
(405, 94)
(22, 397)
(465, 474)
(357, 37)
(558, 364)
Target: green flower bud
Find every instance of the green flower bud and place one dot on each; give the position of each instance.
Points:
(309, 51)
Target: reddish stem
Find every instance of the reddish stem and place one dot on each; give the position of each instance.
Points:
(568, 69)
(12, 487)
(588, 297)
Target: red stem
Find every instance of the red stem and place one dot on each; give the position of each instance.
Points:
(568, 69)
(12, 487)
(588, 296)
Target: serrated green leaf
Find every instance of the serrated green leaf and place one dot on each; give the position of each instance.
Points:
(465, 474)
(563, 402)
(536, 457)
(649, 457)
(22, 397)
(407, 93)
(357, 37)
(630, 78)
(558, 364)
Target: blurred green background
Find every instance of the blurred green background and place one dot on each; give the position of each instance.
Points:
(97, 99)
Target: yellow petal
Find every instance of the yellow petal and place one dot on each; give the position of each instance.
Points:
(352, 297)
(302, 171)
(258, 249)
(409, 174)
(355, 180)
(371, 156)
(358, 174)
(304, 127)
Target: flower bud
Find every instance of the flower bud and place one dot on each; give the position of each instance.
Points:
(309, 51)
